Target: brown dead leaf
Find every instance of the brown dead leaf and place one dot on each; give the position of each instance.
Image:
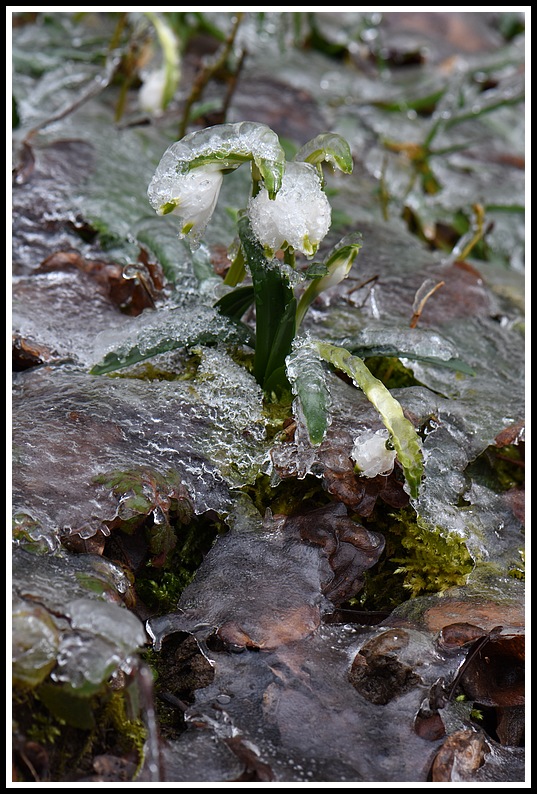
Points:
(461, 755)
(132, 288)
(350, 548)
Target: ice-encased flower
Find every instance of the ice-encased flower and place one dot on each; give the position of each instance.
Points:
(191, 196)
(372, 455)
(299, 217)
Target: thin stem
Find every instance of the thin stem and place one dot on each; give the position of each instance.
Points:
(208, 71)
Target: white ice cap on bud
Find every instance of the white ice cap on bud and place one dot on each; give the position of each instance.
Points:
(191, 196)
(371, 453)
(299, 217)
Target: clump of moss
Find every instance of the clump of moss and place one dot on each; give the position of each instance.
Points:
(131, 731)
(288, 496)
(160, 587)
(432, 561)
(418, 560)
(519, 571)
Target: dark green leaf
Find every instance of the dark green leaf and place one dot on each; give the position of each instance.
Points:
(307, 374)
(272, 294)
(236, 303)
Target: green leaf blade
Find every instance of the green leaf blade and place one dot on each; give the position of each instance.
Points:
(307, 376)
(402, 434)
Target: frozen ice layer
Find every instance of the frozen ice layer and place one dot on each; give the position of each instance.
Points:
(71, 429)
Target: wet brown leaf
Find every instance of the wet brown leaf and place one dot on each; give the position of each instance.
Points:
(481, 613)
(461, 755)
(349, 547)
(256, 770)
(495, 675)
(378, 674)
(455, 635)
(513, 434)
(132, 288)
(28, 354)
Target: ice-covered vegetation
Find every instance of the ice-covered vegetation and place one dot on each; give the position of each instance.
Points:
(268, 416)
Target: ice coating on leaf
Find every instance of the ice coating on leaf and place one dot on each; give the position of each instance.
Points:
(338, 265)
(371, 454)
(35, 642)
(308, 380)
(70, 428)
(422, 342)
(298, 217)
(153, 332)
(75, 627)
(103, 638)
(327, 147)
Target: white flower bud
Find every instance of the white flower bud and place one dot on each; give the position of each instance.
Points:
(371, 454)
(299, 217)
(151, 93)
(191, 196)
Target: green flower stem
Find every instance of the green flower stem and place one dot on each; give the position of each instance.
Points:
(237, 271)
(289, 258)
(172, 56)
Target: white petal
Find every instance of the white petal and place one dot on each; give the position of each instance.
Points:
(371, 455)
(299, 216)
(194, 194)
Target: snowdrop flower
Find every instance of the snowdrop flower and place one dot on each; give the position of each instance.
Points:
(192, 196)
(151, 93)
(299, 217)
(371, 454)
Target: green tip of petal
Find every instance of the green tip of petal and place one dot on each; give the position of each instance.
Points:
(168, 207)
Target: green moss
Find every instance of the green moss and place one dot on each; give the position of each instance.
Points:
(277, 414)
(161, 592)
(160, 588)
(519, 571)
(432, 561)
(131, 733)
(417, 560)
(45, 730)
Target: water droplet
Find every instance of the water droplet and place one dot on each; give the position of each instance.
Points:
(223, 699)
